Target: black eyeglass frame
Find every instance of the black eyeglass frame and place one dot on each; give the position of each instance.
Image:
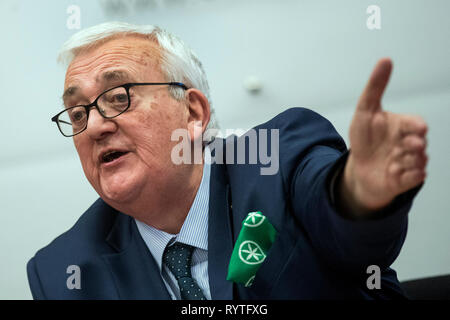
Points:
(127, 87)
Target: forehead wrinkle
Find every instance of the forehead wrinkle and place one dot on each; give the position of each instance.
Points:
(141, 52)
(95, 60)
(98, 63)
(112, 54)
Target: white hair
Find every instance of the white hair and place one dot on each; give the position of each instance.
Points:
(178, 62)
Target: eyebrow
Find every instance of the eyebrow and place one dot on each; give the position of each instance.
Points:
(108, 76)
(115, 75)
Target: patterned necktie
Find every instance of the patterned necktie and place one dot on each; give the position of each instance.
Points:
(178, 259)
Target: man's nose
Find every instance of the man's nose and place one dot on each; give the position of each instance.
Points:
(98, 127)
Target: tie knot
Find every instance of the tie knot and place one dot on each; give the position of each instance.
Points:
(178, 259)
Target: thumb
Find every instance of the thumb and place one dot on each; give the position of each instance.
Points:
(370, 99)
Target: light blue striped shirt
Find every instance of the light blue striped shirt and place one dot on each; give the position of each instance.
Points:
(194, 232)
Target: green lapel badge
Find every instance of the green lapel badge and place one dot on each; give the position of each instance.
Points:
(254, 241)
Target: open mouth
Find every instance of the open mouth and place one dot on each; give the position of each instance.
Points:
(112, 155)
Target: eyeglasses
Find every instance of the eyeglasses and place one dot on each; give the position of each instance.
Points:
(110, 104)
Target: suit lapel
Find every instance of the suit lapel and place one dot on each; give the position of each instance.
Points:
(135, 272)
(220, 241)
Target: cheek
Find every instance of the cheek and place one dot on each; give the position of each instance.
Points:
(85, 152)
(155, 124)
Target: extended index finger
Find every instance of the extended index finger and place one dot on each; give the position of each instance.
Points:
(373, 92)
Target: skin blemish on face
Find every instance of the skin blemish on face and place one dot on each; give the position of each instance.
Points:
(146, 57)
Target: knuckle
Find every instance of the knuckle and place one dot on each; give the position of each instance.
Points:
(420, 124)
(414, 142)
(394, 168)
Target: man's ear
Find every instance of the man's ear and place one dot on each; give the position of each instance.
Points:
(199, 113)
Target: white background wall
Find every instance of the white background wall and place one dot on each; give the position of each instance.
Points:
(307, 53)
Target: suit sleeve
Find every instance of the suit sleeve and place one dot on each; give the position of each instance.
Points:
(34, 281)
(310, 153)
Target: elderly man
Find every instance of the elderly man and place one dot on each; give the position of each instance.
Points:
(336, 213)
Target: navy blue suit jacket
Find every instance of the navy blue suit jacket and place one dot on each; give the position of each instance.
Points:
(317, 254)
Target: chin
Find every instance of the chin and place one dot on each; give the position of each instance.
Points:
(117, 193)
